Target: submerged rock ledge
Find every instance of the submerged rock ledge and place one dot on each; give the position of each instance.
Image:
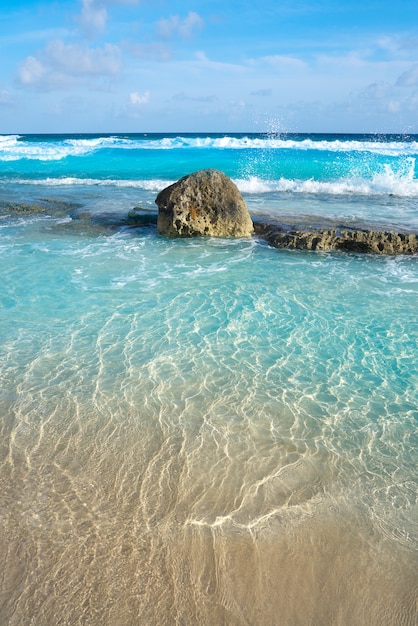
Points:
(339, 237)
(43, 206)
(307, 233)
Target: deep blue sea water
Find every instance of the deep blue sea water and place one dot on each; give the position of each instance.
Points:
(206, 431)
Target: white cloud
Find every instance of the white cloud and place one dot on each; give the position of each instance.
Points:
(61, 65)
(31, 71)
(376, 91)
(76, 59)
(155, 51)
(409, 78)
(183, 28)
(5, 98)
(93, 18)
(136, 98)
(264, 93)
(203, 62)
(279, 61)
(398, 44)
(393, 106)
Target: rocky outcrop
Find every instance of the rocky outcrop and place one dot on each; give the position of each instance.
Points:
(345, 238)
(43, 206)
(206, 202)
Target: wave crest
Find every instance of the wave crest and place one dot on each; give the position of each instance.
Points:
(16, 147)
(387, 182)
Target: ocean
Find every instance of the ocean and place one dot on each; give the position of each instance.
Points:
(206, 431)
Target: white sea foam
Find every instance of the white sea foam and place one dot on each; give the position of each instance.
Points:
(387, 182)
(14, 147)
(393, 148)
(70, 181)
(6, 140)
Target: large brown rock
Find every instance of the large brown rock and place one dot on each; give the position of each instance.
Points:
(206, 202)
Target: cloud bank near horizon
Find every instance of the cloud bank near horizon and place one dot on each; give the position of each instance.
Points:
(129, 65)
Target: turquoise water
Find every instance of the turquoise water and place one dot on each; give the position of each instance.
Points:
(206, 431)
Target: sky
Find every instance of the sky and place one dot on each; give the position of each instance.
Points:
(208, 66)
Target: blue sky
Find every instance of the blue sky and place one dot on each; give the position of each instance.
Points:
(155, 65)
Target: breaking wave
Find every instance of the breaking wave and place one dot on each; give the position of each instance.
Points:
(16, 147)
(70, 181)
(386, 182)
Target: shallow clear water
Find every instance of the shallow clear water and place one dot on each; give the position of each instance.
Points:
(204, 431)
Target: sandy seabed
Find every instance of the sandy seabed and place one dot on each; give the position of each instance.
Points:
(142, 521)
